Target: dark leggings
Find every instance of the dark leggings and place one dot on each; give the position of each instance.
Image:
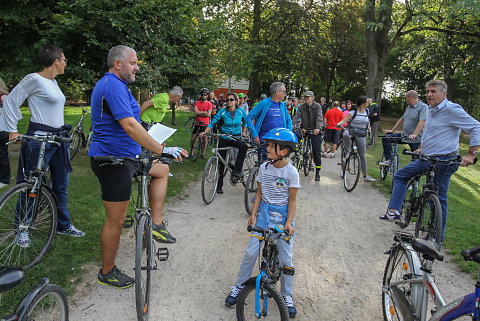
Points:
(4, 161)
(242, 152)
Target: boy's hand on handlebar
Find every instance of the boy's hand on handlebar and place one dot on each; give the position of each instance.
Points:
(251, 220)
(288, 227)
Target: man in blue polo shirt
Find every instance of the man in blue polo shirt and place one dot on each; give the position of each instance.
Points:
(441, 134)
(118, 132)
(270, 113)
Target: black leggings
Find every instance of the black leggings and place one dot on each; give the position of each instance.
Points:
(242, 152)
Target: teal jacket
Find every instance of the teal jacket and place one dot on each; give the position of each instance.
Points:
(231, 125)
(260, 111)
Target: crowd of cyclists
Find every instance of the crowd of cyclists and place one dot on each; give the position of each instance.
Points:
(275, 122)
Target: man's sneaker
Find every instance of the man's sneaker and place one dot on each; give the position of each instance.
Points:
(292, 311)
(391, 217)
(115, 278)
(72, 231)
(22, 239)
(160, 234)
(202, 156)
(369, 178)
(3, 185)
(385, 163)
(324, 155)
(332, 155)
(231, 299)
(317, 177)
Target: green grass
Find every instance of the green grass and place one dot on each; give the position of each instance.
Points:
(66, 262)
(463, 224)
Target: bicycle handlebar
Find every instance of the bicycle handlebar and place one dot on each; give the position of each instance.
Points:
(278, 229)
(431, 159)
(396, 137)
(53, 139)
(117, 160)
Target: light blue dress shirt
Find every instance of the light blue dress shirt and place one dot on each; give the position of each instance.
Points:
(442, 129)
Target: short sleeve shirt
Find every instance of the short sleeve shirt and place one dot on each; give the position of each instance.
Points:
(333, 117)
(109, 137)
(411, 117)
(204, 106)
(276, 183)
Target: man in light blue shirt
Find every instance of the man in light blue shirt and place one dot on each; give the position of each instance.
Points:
(440, 139)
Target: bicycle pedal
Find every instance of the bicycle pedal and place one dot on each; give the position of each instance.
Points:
(162, 254)
(288, 270)
(128, 221)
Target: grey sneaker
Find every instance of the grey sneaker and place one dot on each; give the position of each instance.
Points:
(160, 234)
(115, 278)
(369, 178)
(385, 163)
(72, 231)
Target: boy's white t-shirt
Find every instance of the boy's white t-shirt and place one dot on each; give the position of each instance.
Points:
(276, 182)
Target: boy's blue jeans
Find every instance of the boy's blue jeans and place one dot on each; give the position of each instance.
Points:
(252, 253)
(59, 175)
(443, 174)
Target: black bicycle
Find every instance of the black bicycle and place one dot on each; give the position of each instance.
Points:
(28, 212)
(45, 301)
(190, 124)
(142, 221)
(306, 151)
(251, 186)
(78, 136)
(259, 297)
(424, 204)
(351, 167)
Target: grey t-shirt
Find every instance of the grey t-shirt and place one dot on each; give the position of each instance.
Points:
(411, 117)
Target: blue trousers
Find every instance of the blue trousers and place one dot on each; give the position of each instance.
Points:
(443, 174)
(59, 175)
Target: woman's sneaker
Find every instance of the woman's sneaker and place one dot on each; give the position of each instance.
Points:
(72, 231)
(115, 278)
(369, 178)
(292, 311)
(231, 299)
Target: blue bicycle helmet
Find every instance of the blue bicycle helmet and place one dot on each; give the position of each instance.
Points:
(282, 136)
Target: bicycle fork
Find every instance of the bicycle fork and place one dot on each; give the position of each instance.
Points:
(264, 311)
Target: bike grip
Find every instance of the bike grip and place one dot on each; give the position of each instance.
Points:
(467, 254)
(249, 228)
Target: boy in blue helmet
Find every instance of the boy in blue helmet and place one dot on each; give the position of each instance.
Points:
(275, 203)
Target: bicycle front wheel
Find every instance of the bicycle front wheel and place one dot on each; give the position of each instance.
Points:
(384, 169)
(143, 266)
(272, 305)
(49, 304)
(210, 180)
(351, 172)
(75, 144)
(307, 163)
(251, 189)
(397, 294)
(395, 166)
(429, 220)
(189, 124)
(408, 206)
(28, 222)
(370, 140)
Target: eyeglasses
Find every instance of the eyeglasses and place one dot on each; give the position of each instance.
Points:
(283, 91)
(64, 59)
(230, 99)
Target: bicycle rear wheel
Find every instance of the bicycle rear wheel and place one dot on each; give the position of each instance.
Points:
(351, 172)
(143, 266)
(397, 294)
(49, 304)
(75, 144)
(251, 189)
(272, 305)
(429, 220)
(23, 213)
(210, 180)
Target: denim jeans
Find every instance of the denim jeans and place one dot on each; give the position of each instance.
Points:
(59, 175)
(387, 146)
(252, 253)
(443, 174)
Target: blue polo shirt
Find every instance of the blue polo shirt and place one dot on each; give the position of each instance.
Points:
(109, 138)
(273, 119)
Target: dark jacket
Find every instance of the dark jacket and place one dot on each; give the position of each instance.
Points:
(372, 109)
(312, 117)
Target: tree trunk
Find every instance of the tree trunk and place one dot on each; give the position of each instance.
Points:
(255, 39)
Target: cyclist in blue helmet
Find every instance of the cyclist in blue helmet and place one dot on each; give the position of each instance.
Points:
(275, 204)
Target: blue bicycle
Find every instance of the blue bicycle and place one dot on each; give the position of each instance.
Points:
(408, 283)
(394, 164)
(254, 300)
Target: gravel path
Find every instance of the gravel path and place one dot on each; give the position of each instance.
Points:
(338, 255)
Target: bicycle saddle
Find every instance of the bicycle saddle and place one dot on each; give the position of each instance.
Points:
(429, 249)
(10, 277)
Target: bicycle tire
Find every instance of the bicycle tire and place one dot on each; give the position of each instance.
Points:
(343, 158)
(197, 146)
(429, 220)
(49, 304)
(251, 188)
(189, 124)
(370, 140)
(399, 267)
(395, 166)
(408, 206)
(249, 163)
(143, 266)
(210, 180)
(75, 144)
(351, 172)
(14, 209)
(307, 162)
(89, 141)
(384, 169)
(246, 303)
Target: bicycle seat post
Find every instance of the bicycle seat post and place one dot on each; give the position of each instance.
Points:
(144, 184)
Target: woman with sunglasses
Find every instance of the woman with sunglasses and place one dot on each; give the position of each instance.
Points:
(234, 123)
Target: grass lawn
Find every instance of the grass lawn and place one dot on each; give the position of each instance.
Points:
(66, 261)
(463, 224)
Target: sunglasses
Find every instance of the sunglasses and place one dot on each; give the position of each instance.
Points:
(230, 99)
(204, 94)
